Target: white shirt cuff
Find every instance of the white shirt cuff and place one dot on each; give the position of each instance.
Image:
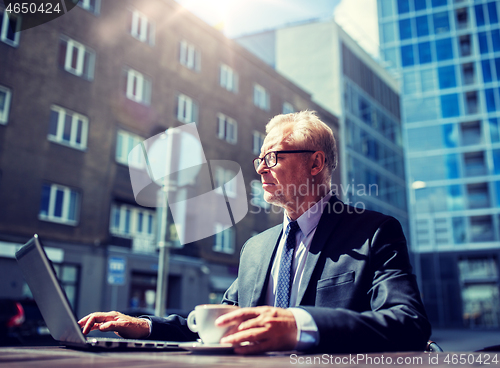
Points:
(149, 323)
(307, 330)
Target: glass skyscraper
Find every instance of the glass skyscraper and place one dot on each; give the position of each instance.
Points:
(447, 53)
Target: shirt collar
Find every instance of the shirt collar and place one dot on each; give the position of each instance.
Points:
(309, 220)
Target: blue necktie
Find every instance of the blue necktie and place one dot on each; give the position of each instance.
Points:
(284, 284)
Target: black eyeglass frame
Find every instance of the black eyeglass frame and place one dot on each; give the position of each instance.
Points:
(257, 161)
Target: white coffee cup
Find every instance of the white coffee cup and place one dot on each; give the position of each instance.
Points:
(202, 320)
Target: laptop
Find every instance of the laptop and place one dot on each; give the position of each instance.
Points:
(51, 299)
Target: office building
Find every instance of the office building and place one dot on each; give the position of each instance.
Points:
(447, 54)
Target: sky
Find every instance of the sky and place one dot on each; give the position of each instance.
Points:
(240, 17)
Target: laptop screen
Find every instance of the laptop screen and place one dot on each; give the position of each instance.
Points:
(48, 293)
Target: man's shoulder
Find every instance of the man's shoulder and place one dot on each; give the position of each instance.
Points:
(355, 214)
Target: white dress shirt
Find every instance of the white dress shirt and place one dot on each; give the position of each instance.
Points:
(307, 331)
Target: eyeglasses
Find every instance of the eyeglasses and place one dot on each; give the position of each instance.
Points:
(271, 158)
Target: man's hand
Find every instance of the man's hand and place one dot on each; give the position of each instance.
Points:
(266, 328)
(123, 325)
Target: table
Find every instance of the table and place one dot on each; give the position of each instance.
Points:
(55, 357)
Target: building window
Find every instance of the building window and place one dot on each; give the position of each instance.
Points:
(227, 129)
(131, 221)
(258, 195)
(407, 58)
(424, 52)
(288, 108)
(446, 76)
(387, 32)
(187, 109)
(403, 6)
(59, 204)
(471, 133)
(471, 103)
(465, 45)
(5, 97)
(68, 127)
(224, 239)
(444, 49)
(228, 78)
(137, 87)
(257, 142)
(76, 58)
(468, 75)
(441, 22)
(494, 128)
(462, 18)
(10, 28)
(405, 29)
(227, 179)
(142, 28)
(422, 26)
(482, 38)
(436, 3)
(486, 68)
(481, 229)
(92, 6)
(190, 56)
(474, 164)
(478, 195)
(125, 141)
(261, 97)
(386, 7)
(449, 105)
(478, 269)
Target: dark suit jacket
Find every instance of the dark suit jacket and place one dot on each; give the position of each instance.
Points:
(357, 284)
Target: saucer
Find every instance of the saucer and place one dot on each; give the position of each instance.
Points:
(200, 347)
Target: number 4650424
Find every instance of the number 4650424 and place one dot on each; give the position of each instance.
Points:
(33, 8)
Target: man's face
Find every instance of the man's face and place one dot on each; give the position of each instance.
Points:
(281, 182)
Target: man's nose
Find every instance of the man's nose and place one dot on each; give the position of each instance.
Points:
(262, 168)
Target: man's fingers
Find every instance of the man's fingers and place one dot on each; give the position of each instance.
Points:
(94, 320)
(237, 316)
(108, 326)
(252, 335)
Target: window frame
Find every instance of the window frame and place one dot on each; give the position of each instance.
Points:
(189, 56)
(227, 179)
(228, 78)
(65, 206)
(257, 137)
(226, 126)
(5, 25)
(142, 28)
(148, 221)
(4, 114)
(141, 90)
(224, 240)
(85, 5)
(187, 109)
(125, 142)
(261, 97)
(83, 70)
(61, 122)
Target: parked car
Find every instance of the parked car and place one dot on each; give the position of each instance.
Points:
(21, 323)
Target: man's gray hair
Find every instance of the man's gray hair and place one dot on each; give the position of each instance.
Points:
(309, 132)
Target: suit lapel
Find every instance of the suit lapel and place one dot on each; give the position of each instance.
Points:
(268, 249)
(325, 227)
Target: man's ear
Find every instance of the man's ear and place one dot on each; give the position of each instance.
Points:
(318, 162)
